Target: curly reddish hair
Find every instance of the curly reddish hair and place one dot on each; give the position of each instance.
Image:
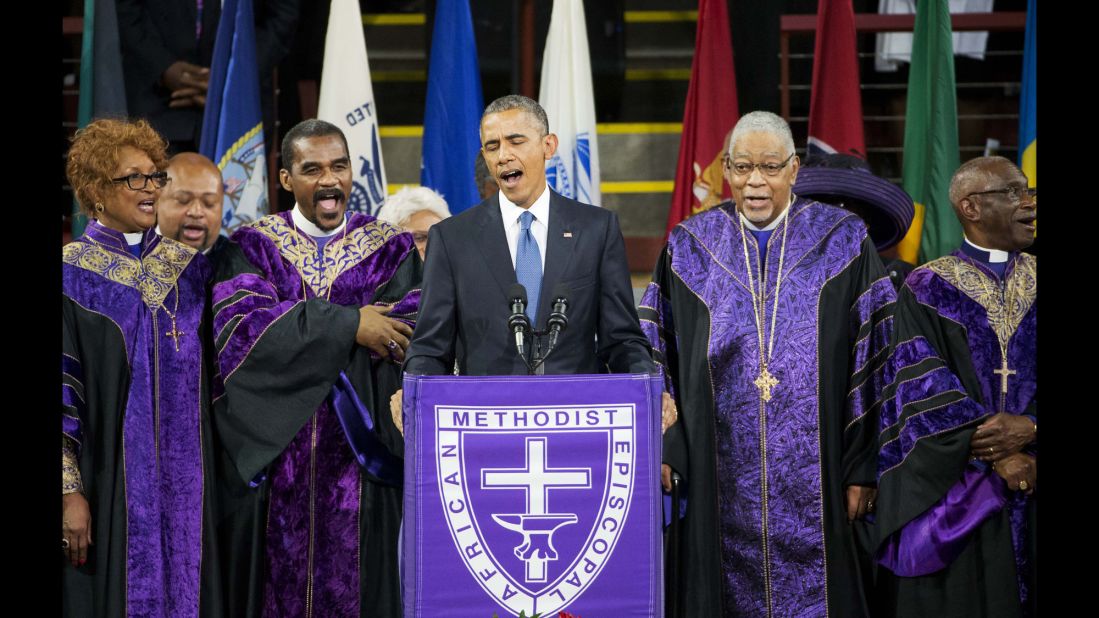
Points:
(94, 155)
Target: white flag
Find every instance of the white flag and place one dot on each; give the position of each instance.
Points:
(566, 95)
(347, 101)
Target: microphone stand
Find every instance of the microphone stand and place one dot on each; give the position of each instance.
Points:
(557, 322)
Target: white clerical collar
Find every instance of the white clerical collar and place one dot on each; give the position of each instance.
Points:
(133, 238)
(311, 228)
(995, 256)
(752, 226)
(540, 209)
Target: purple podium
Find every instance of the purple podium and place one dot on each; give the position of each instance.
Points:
(535, 494)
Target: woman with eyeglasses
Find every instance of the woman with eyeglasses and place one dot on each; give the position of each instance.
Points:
(134, 406)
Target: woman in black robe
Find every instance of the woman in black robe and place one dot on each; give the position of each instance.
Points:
(134, 401)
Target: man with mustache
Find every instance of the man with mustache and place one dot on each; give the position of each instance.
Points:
(189, 208)
(959, 440)
(313, 309)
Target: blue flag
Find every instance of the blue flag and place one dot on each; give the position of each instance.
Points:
(1028, 100)
(452, 117)
(232, 127)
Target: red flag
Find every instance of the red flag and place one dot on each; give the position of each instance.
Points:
(709, 114)
(835, 109)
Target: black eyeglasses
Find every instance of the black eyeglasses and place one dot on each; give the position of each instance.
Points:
(138, 181)
(1013, 193)
(742, 168)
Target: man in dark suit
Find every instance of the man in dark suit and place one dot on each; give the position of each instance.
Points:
(167, 47)
(473, 259)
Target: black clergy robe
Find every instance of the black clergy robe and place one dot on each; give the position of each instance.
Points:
(310, 517)
(135, 413)
(961, 543)
(765, 531)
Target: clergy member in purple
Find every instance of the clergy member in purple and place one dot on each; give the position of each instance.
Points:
(959, 424)
(313, 308)
(136, 493)
(771, 315)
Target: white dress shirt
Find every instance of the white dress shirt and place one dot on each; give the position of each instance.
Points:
(539, 228)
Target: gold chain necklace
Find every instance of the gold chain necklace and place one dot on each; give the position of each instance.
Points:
(175, 333)
(1007, 297)
(765, 381)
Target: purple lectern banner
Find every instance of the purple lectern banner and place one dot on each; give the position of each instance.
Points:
(535, 494)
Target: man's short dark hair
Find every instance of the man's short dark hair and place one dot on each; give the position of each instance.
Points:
(518, 101)
(305, 129)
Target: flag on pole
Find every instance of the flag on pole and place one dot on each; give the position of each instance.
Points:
(102, 88)
(452, 115)
(931, 137)
(566, 95)
(710, 112)
(894, 48)
(1028, 100)
(232, 125)
(835, 105)
(347, 101)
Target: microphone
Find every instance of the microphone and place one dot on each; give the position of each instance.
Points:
(518, 321)
(558, 321)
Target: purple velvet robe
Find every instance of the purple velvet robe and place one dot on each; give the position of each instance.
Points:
(765, 532)
(948, 523)
(285, 323)
(137, 408)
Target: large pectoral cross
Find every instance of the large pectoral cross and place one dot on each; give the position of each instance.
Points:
(1003, 373)
(765, 382)
(175, 334)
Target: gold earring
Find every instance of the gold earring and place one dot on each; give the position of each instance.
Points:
(99, 206)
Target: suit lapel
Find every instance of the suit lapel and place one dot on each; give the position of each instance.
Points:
(559, 251)
(493, 244)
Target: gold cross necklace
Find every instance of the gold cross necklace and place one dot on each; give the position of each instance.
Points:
(175, 333)
(765, 381)
(1007, 297)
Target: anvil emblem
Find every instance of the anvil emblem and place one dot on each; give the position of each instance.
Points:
(536, 525)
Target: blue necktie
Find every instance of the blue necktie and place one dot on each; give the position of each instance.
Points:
(528, 264)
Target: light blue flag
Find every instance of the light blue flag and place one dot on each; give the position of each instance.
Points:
(232, 127)
(452, 116)
(1028, 99)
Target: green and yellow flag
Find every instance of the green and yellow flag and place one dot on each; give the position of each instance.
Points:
(931, 137)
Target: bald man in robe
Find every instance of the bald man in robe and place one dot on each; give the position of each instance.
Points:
(190, 207)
